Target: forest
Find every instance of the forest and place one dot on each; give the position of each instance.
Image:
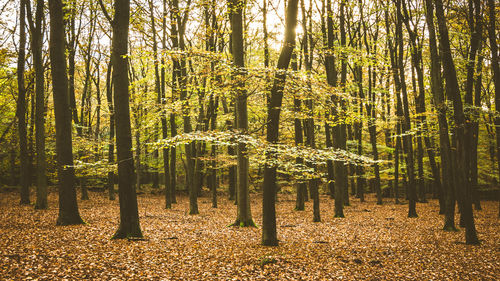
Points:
(249, 139)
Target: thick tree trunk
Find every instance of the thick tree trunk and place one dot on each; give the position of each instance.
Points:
(68, 207)
(129, 213)
(269, 237)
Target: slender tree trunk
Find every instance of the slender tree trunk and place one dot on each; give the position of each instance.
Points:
(244, 217)
(496, 78)
(299, 140)
(453, 90)
(440, 104)
(370, 109)
(265, 34)
(269, 237)
(129, 213)
(166, 151)
(71, 49)
(309, 122)
(181, 76)
(21, 108)
(475, 133)
(111, 140)
(407, 139)
(475, 25)
(176, 88)
(36, 48)
(371, 105)
(211, 33)
(68, 207)
(340, 170)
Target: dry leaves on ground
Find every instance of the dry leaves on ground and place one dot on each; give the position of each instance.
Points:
(371, 243)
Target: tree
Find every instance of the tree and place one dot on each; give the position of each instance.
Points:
(236, 8)
(309, 127)
(269, 237)
(129, 214)
(68, 206)
(21, 108)
(496, 77)
(36, 48)
(72, 43)
(407, 138)
(440, 103)
(453, 90)
(416, 59)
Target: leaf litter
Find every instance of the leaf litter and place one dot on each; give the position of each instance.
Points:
(379, 244)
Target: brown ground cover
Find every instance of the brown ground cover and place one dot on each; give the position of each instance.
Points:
(371, 243)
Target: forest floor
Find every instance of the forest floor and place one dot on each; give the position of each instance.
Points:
(371, 243)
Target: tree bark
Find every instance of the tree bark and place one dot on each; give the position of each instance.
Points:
(36, 49)
(407, 138)
(244, 217)
(111, 140)
(269, 237)
(73, 37)
(453, 90)
(68, 207)
(21, 109)
(496, 78)
(299, 140)
(129, 213)
(471, 138)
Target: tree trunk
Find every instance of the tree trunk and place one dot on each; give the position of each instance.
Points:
(68, 207)
(496, 79)
(309, 122)
(36, 49)
(111, 140)
(244, 217)
(166, 151)
(177, 81)
(269, 237)
(181, 76)
(475, 25)
(299, 140)
(407, 139)
(73, 38)
(129, 213)
(340, 169)
(440, 104)
(21, 109)
(453, 90)
(475, 133)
